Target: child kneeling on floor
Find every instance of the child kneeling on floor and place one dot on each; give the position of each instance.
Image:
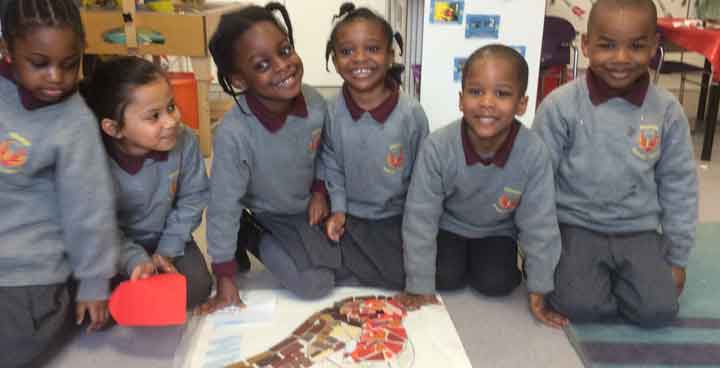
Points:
(160, 178)
(483, 186)
(624, 168)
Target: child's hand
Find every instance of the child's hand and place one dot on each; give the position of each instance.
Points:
(545, 314)
(318, 208)
(227, 294)
(335, 226)
(163, 264)
(415, 301)
(678, 274)
(142, 271)
(97, 309)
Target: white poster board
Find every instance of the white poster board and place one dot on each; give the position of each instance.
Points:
(314, 334)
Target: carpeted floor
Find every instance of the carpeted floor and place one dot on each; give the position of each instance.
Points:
(692, 341)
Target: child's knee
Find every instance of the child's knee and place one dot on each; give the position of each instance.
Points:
(495, 287)
(450, 280)
(580, 307)
(495, 281)
(653, 315)
(314, 283)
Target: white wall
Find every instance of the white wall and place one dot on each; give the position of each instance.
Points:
(521, 24)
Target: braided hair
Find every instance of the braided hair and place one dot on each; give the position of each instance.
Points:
(231, 27)
(349, 13)
(22, 16)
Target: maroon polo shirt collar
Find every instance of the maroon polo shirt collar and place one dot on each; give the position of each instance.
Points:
(274, 121)
(26, 98)
(600, 92)
(381, 112)
(500, 157)
(133, 164)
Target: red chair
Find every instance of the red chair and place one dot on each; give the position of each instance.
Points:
(558, 51)
(662, 66)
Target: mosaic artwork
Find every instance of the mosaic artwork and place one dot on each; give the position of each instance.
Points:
(352, 327)
(364, 331)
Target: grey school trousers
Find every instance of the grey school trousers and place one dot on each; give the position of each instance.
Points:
(295, 274)
(372, 251)
(193, 266)
(32, 321)
(606, 275)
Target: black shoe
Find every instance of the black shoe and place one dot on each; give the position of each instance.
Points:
(248, 240)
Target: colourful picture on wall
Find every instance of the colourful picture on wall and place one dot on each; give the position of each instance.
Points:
(482, 26)
(447, 11)
(458, 64)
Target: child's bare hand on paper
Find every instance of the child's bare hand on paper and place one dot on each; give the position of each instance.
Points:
(227, 295)
(415, 301)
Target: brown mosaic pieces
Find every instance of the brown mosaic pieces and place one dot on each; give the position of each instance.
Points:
(373, 322)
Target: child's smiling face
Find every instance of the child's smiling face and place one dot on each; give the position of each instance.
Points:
(491, 98)
(267, 66)
(151, 120)
(362, 55)
(620, 44)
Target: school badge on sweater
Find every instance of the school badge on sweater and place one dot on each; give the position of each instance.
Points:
(315, 139)
(394, 159)
(13, 153)
(508, 201)
(647, 142)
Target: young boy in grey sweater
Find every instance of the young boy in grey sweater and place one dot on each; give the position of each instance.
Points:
(625, 174)
(483, 186)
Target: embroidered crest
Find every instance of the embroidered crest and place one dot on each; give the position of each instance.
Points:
(508, 201)
(173, 184)
(648, 142)
(394, 159)
(315, 138)
(13, 153)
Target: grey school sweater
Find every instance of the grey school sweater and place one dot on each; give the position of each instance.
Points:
(56, 197)
(162, 204)
(257, 169)
(477, 201)
(367, 163)
(621, 168)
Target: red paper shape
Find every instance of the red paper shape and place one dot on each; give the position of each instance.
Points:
(159, 300)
